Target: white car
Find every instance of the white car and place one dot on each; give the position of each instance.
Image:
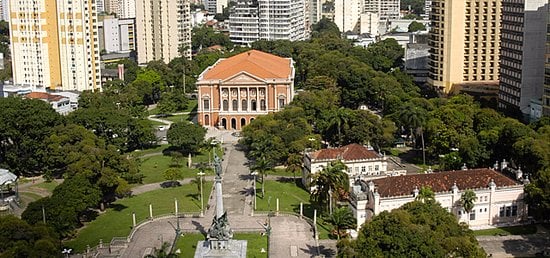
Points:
(162, 128)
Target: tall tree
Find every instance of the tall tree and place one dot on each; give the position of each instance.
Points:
(186, 136)
(467, 201)
(425, 194)
(262, 166)
(24, 124)
(342, 219)
(328, 181)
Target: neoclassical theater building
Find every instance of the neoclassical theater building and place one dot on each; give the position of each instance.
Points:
(235, 90)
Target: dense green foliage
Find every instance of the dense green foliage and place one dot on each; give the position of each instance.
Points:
(24, 125)
(186, 136)
(19, 239)
(204, 37)
(416, 26)
(418, 229)
(416, 6)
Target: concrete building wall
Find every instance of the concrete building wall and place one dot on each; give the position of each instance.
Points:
(523, 40)
(369, 24)
(465, 42)
(161, 28)
(59, 48)
(347, 14)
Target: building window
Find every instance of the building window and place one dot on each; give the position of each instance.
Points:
(225, 105)
(473, 215)
(206, 104)
(363, 169)
(244, 105)
(235, 105)
(281, 101)
(514, 210)
(254, 107)
(262, 104)
(376, 167)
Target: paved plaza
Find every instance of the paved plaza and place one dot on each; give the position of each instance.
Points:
(290, 237)
(516, 245)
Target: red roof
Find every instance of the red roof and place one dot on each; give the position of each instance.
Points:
(257, 63)
(441, 181)
(352, 151)
(44, 96)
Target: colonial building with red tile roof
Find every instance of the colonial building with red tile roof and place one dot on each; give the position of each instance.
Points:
(361, 161)
(235, 90)
(60, 104)
(499, 196)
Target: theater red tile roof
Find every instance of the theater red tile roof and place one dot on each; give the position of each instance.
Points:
(441, 181)
(257, 63)
(44, 96)
(349, 152)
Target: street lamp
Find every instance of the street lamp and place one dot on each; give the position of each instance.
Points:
(255, 173)
(66, 252)
(201, 174)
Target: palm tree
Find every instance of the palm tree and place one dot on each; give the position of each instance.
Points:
(293, 164)
(208, 145)
(342, 219)
(425, 194)
(414, 118)
(327, 181)
(467, 200)
(262, 166)
(339, 118)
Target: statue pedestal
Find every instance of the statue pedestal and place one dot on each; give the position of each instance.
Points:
(221, 248)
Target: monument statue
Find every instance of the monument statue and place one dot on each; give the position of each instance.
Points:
(220, 241)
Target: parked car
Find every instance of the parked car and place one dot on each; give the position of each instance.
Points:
(162, 128)
(169, 184)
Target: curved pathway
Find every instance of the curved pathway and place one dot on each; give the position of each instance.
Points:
(291, 236)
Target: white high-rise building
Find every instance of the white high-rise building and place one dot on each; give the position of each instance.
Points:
(215, 6)
(121, 8)
(55, 44)
(386, 9)
(117, 35)
(100, 6)
(253, 20)
(162, 27)
(522, 49)
(4, 10)
(347, 14)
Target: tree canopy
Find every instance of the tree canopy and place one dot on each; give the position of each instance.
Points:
(186, 136)
(417, 229)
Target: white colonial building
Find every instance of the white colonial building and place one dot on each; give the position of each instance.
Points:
(499, 197)
(361, 161)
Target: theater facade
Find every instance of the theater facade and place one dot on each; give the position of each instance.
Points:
(235, 90)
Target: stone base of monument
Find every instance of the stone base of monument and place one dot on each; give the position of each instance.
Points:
(229, 249)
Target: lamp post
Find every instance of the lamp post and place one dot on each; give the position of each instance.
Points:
(201, 175)
(255, 173)
(66, 252)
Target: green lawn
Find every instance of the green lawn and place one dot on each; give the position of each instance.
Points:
(191, 106)
(188, 244)
(282, 172)
(178, 118)
(516, 230)
(290, 195)
(117, 220)
(156, 149)
(156, 123)
(47, 185)
(31, 196)
(153, 167)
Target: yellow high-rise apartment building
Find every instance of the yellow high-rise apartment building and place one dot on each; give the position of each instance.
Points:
(464, 41)
(55, 44)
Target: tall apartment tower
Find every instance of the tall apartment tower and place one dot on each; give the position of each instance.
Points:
(347, 14)
(464, 42)
(121, 8)
(215, 6)
(546, 93)
(522, 41)
(162, 27)
(386, 9)
(55, 44)
(253, 20)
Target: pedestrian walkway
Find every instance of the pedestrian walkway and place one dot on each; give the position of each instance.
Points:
(290, 235)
